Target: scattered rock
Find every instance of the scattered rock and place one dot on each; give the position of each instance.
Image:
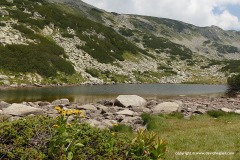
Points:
(130, 100)
(4, 104)
(237, 111)
(126, 112)
(166, 107)
(87, 107)
(21, 110)
(3, 77)
(61, 101)
(226, 110)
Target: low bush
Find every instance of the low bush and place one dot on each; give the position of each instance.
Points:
(153, 121)
(42, 137)
(217, 114)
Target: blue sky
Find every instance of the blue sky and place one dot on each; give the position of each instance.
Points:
(221, 13)
(235, 10)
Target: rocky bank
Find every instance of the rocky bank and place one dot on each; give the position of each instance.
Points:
(125, 109)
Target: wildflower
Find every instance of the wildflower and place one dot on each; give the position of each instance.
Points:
(115, 125)
(68, 125)
(58, 108)
(63, 113)
(55, 126)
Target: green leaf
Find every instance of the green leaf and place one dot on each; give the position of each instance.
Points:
(79, 145)
(70, 156)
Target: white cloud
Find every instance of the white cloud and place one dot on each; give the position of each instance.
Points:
(197, 12)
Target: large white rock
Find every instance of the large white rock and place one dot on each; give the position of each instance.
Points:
(130, 100)
(166, 107)
(21, 110)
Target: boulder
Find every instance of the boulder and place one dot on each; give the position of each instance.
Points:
(226, 110)
(125, 112)
(130, 101)
(4, 104)
(21, 110)
(166, 107)
(87, 107)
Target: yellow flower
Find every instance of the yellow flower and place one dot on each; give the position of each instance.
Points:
(55, 126)
(115, 124)
(58, 108)
(63, 113)
(68, 125)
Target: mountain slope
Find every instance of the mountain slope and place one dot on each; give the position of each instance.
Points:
(71, 42)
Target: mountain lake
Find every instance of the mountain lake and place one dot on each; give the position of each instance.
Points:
(94, 93)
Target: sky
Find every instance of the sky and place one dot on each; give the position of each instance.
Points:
(222, 13)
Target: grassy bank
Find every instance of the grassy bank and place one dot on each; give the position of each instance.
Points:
(212, 132)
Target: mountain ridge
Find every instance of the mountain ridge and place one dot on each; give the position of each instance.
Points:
(105, 47)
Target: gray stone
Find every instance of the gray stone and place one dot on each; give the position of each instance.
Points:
(61, 101)
(43, 103)
(130, 100)
(93, 122)
(226, 110)
(21, 110)
(87, 107)
(237, 111)
(166, 107)
(3, 77)
(141, 109)
(4, 104)
(4, 12)
(102, 108)
(200, 111)
(126, 112)
(132, 120)
(151, 103)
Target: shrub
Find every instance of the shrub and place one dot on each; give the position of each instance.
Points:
(152, 121)
(94, 72)
(147, 145)
(217, 114)
(121, 128)
(42, 137)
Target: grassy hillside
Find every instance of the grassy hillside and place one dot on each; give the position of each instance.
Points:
(45, 57)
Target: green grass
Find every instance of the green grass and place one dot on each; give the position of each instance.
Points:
(199, 134)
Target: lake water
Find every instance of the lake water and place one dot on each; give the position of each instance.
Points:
(89, 94)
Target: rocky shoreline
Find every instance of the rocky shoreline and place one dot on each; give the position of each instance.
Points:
(125, 109)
